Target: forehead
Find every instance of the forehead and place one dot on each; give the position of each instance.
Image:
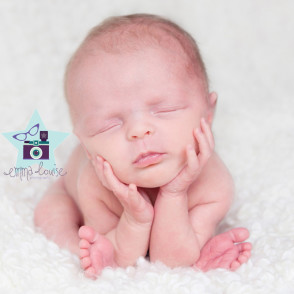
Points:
(104, 80)
(110, 67)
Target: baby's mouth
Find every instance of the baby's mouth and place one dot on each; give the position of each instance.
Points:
(148, 158)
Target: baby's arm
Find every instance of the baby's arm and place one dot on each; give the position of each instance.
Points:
(179, 233)
(130, 238)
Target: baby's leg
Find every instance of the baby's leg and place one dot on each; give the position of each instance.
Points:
(225, 251)
(122, 245)
(59, 218)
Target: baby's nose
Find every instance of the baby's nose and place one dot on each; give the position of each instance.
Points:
(139, 129)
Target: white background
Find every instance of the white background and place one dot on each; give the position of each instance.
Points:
(248, 50)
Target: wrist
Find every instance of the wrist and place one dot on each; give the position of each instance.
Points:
(171, 194)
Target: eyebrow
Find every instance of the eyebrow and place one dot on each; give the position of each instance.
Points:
(104, 114)
(91, 122)
(156, 101)
(171, 100)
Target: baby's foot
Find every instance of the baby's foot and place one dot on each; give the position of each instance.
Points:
(225, 251)
(96, 252)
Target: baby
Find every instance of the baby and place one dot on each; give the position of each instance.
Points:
(145, 177)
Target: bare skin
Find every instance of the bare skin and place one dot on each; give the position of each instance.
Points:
(145, 176)
(225, 250)
(120, 226)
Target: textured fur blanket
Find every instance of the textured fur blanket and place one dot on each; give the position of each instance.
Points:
(248, 50)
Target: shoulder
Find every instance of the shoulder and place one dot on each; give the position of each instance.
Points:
(215, 183)
(218, 173)
(81, 176)
(87, 181)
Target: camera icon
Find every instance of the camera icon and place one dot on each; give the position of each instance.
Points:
(37, 149)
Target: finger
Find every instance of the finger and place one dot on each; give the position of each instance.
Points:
(204, 147)
(208, 133)
(133, 195)
(192, 162)
(98, 165)
(118, 188)
(137, 198)
(190, 170)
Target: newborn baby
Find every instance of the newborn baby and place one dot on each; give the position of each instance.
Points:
(145, 177)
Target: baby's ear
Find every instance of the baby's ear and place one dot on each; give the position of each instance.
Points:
(212, 99)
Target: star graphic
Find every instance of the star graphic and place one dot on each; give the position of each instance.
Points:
(43, 136)
(35, 142)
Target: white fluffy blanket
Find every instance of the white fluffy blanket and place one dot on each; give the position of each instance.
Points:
(248, 49)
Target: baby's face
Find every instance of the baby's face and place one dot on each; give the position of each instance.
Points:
(137, 110)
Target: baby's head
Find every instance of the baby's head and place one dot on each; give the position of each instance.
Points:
(136, 88)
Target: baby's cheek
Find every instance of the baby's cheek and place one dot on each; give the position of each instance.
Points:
(178, 160)
(106, 151)
(189, 139)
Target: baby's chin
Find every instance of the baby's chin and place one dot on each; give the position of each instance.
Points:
(151, 183)
(152, 178)
(148, 184)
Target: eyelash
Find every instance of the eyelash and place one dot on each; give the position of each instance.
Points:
(168, 110)
(107, 128)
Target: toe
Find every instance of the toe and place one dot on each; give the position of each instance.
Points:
(247, 246)
(242, 258)
(87, 233)
(91, 273)
(84, 244)
(239, 234)
(244, 248)
(85, 262)
(247, 254)
(235, 265)
(84, 253)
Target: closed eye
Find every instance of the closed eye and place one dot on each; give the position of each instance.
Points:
(109, 127)
(167, 110)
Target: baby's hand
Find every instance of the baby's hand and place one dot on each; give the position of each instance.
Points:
(195, 163)
(135, 203)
